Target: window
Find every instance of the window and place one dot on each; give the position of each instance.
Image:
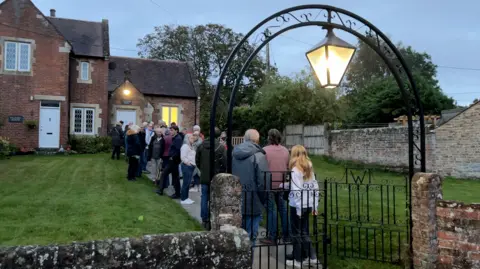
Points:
(83, 122)
(17, 56)
(170, 114)
(84, 70)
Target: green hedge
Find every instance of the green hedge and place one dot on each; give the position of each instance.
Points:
(90, 144)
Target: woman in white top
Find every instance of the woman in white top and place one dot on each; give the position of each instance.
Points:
(303, 202)
(187, 155)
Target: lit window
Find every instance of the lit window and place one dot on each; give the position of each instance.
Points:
(84, 121)
(17, 56)
(170, 114)
(84, 70)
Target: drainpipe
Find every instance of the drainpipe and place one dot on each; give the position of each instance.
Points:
(196, 104)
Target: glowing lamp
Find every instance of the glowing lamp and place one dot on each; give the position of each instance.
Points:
(329, 59)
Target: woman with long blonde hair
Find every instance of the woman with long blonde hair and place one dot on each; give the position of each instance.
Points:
(303, 201)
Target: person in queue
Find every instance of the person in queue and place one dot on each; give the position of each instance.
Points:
(249, 164)
(134, 150)
(202, 159)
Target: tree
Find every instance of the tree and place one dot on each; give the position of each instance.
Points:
(289, 101)
(373, 95)
(207, 47)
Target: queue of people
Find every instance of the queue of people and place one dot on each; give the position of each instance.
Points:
(274, 180)
(270, 177)
(174, 155)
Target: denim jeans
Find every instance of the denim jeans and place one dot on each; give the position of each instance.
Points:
(204, 203)
(251, 224)
(272, 216)
(166, 182)
(187, 178)
(144, 162)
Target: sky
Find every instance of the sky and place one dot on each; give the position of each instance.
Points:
(448, 30)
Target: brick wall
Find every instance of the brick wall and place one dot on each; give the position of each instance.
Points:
(458, 145)
(187, 108)
(458, 233)
(93, 91)
(446, 234)
(48, 76)
(139, 103)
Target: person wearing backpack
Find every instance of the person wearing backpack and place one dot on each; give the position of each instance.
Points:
(202, 159)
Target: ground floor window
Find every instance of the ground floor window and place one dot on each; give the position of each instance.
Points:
(84, 121)
(170, 114)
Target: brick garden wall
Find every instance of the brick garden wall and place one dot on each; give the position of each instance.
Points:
(458, 233)
(446, 234)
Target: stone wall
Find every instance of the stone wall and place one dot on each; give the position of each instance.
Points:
(216, 249)
(382, 146)
(446, 234)
(226, 246)
(458, 145)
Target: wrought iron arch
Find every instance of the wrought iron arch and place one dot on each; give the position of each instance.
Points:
(335, 18)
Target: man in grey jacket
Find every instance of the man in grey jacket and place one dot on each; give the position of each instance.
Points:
(249, 164)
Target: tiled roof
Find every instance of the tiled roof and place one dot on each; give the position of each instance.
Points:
(155, 77)
(87, 38)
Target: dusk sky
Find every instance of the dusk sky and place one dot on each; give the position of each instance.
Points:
(448, 30)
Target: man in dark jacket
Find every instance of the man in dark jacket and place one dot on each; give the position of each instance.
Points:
(134, 151)
(173, 162)
(155, 151)
(202, 159)
(250, 164)
(117, 140)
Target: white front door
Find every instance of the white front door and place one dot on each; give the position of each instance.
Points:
(126, 116)
(49, 131)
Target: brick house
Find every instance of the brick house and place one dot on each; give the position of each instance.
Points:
(59, 73)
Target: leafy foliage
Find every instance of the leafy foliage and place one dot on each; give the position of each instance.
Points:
(207, 48)
(289, 101)
(373, 96)
(5, 147)
(90, 144)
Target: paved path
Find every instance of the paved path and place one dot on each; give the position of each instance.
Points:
(264, 257)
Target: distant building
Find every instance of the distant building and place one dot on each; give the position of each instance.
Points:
(59, 74)
(446, 115)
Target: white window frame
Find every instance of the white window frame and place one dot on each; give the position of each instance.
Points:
(17, 56)
(83, 120)
(84, 76)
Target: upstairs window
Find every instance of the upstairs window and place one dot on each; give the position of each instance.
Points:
(17, 56)
(84, 71)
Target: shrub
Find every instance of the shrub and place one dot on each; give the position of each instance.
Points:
(5, 147)
(90, 144)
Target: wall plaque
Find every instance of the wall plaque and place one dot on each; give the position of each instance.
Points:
(126, 102)
(15, 119)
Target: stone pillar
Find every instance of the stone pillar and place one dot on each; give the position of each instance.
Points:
(426, 190)
(225, 202)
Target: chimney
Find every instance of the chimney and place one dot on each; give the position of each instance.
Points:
(52, 12)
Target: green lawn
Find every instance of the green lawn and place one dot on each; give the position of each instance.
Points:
(59, 199)
(364, 219)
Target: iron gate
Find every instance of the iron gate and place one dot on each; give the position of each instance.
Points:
(358, 216)
(368, 217)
